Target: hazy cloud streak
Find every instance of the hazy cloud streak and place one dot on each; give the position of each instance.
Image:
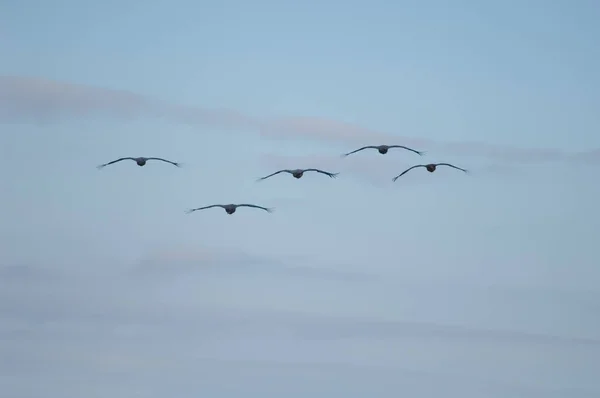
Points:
(120, 333)
(26, 99)
(230, 260)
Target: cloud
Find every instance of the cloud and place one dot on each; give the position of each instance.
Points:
(592, 156)
(46, 101)
(223, 261)
(27, 99)
(119, 336)
(320, 129)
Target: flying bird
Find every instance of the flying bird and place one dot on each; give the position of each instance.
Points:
(231, 208)
(140, 161)
(298, 173)
(383, 149)
(430, 168)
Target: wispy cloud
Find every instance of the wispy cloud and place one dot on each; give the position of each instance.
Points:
(46, 101)
(121, 336)
(225, 261)
(27, 99)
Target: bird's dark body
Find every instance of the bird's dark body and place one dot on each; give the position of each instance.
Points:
(230, 209)
(383, 150)
(141, 161)
(298, 173)
(430, 168)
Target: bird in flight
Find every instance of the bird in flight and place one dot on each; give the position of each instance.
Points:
(383, 149)
(430, 168)
(140, 161)
(298, 173)
(231, 208)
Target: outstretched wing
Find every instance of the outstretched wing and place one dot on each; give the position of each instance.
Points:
(408, 149)
(202, 208)
(166, 161)
(406, 171)
(268, 210)
(332, 175)
(359, 149)
(271, 175)
(114, 161)
(451, 165)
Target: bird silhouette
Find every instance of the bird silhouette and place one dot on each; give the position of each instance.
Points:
(230, 208)
(298, 173)
(141, 161)
(430, 168)
(383, 149)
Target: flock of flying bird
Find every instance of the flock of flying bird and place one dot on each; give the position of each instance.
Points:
(297, 173)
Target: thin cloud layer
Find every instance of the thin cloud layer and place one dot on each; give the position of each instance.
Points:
(233, 261)
(26, 99)
(121, 337)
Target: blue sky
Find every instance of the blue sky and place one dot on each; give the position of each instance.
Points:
(484, 284)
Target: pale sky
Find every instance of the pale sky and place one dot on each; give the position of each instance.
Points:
(478, 285)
